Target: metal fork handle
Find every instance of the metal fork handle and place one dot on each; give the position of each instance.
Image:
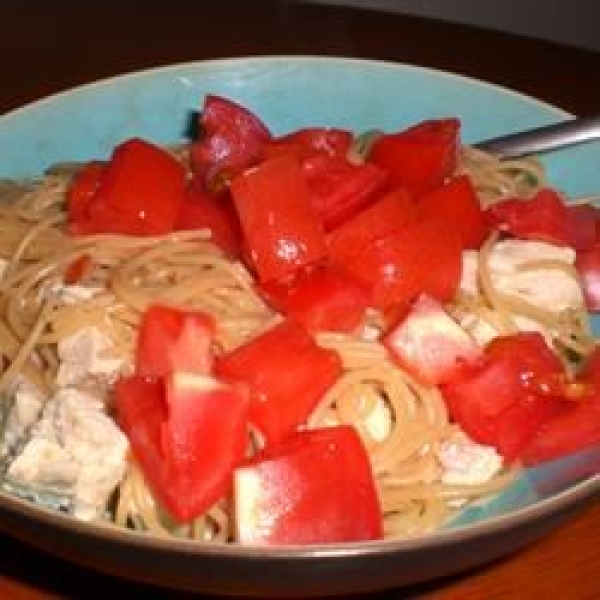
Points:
(544, 139)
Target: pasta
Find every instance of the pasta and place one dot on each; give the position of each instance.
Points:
(185, 269)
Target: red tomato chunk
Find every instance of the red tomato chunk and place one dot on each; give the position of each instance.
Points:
(340, 189)
(322, 299)
(170, 339)
(388, 215)
(577, 426)
(201, 210)
(519, 390)
(281, 229)
(139, 192)
(315, 488)
(187, 432)
(232, 139)
(588, 266)
(421, 157)
(287, 374)
(311, 141)
(424, 257)
(429, 344)
(457, 205)
(544, 217)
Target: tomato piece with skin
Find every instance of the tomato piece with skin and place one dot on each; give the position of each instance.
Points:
(340, 189)
(78, 269)
(584, 221)
(538, 361)
(385, 216)
(81, 190)
(590, 371)
(429, 344)
(317, 487)
(321, 298)
(521, 422)
(421, 157)
(577, 426)
(188, 433)
(280, 227)
(587, 264)
(424, 257)
(139, 193)
(232, 139)
(480, 395)
(171, 339)
(543, 217)
(141, 410)
(286, 372)
(311, 141)
(501, 401)
(456, 203)
(201, 210)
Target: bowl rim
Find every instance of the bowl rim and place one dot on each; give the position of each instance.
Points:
(282, 59)
(574, 494)
(580, 492)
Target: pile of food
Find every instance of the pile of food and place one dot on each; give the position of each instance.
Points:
(306, 338)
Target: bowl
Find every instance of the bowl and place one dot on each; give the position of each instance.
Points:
(289, 92)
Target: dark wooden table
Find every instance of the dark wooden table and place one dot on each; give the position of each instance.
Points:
(50, 46)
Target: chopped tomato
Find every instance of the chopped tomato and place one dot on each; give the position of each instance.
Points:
(287, 374)
(187, 434)
(386, 216)
(501, 401)
(311, 141)
(201, 210)
(456, 203)
(280, 227)
(424, 257)
(588, 266)
(316, 488)
(544, 217)
(81, 190)
(340, 188)
(322, 299)
(538, 363)
(429, 344)
(591, 368)
(421, 157)
(576, 428)
(78, 269)
(584, 220)
(171, 339)
(232, 139)
(139, 193)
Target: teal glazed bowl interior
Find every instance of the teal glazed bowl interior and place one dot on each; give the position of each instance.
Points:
(291, 92)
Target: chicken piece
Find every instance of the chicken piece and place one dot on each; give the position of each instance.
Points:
(466, 463)
(76, 454)
(539, 273)
(85, 354)
(18, 413)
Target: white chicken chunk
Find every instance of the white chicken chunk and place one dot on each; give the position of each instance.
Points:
(19, 414)
(466, 463)
(528, 270)
(71, 294)
(87, 353)
(75, 450)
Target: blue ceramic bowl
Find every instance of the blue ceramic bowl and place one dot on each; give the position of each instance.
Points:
(289, 92)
